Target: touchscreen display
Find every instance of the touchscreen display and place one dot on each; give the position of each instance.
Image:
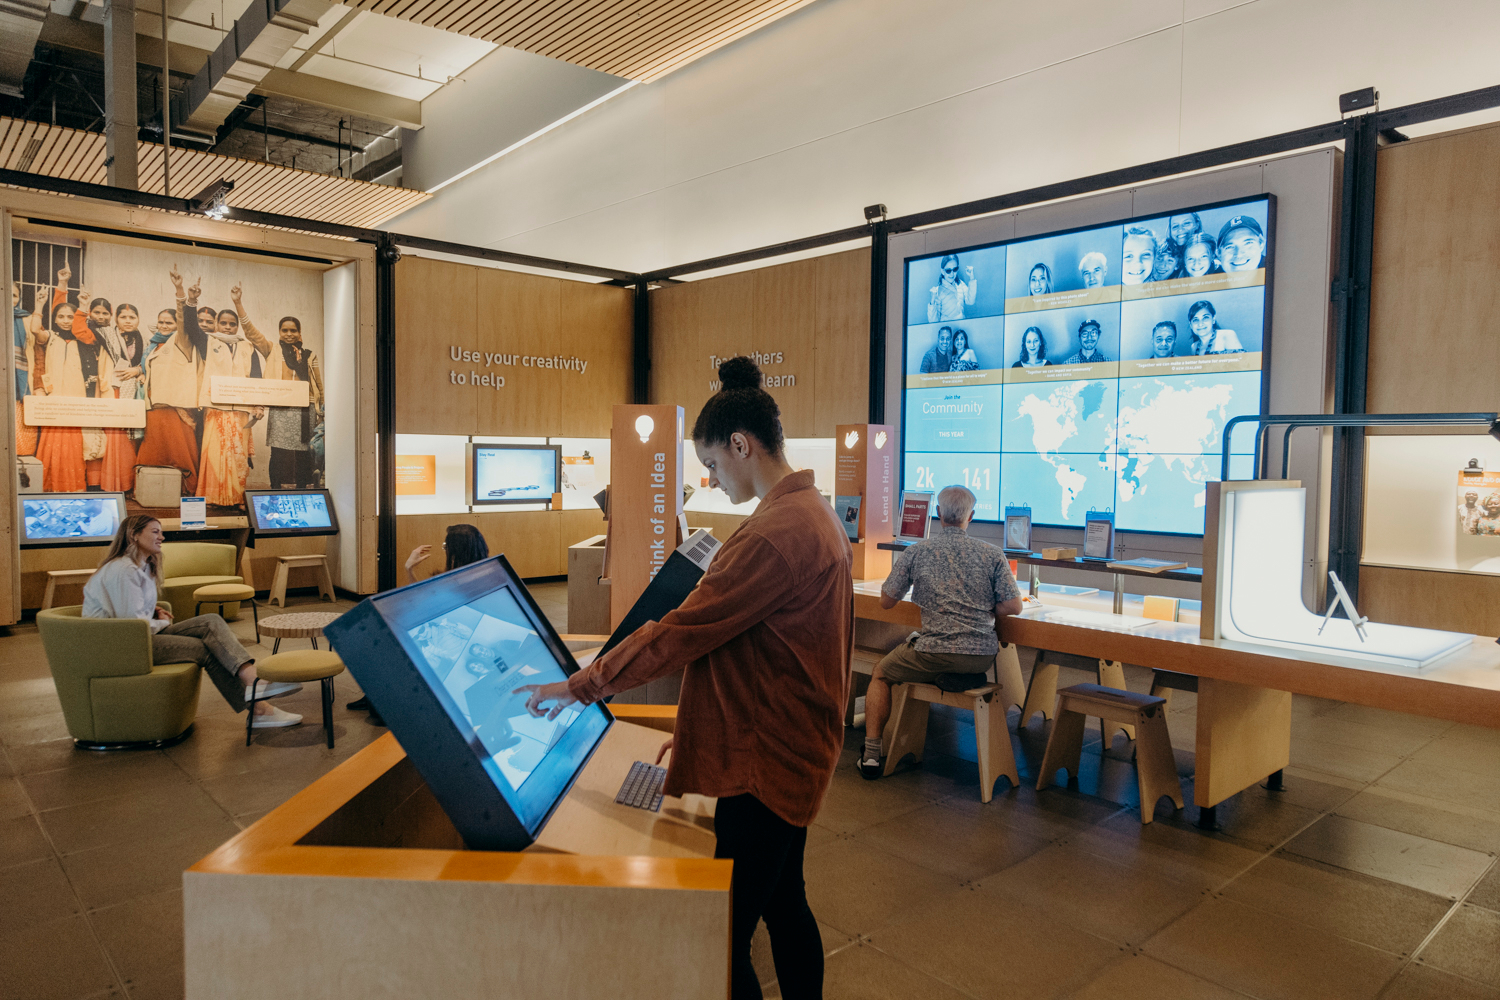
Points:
(72, 518)
(479, 654)
(291, 510)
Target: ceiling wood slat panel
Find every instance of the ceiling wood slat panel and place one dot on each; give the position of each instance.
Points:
(639, 40)
(76, 155)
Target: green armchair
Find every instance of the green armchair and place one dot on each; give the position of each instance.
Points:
(186, 566)
(111, 691)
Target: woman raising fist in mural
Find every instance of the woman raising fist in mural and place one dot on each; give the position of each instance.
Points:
(289, 429)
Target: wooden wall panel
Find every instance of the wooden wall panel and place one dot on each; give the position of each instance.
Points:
(595, 322)
(435, 309)
(842, 375)
(530, 539)
(1454, 602)
(814, 312)
(1434, 292)
(785, 324)
(518, 314)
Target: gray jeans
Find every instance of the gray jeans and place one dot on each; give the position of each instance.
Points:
(206, 641)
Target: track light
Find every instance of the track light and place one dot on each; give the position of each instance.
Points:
(213, 201)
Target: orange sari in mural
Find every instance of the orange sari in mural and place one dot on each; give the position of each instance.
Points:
(224, 460)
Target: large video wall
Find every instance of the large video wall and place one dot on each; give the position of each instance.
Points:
(1089, 369)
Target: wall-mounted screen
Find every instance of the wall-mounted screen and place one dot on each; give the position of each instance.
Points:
(442, 660)
(50, 519)
(279, 513)
(1089, 369)
(515, 473)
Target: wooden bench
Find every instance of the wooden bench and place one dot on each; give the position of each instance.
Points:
(284, 566)
(1156, 768)
(906, 732)
(66, 577)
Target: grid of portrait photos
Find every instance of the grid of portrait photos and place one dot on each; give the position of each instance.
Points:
(1092, 369)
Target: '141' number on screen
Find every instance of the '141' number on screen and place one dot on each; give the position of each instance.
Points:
(977, 479)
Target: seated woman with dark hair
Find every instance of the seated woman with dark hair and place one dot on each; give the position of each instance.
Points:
(463, 544)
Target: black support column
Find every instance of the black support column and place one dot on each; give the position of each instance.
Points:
(1351, 319)
(386, 256)
(878, 243)
(641, 345)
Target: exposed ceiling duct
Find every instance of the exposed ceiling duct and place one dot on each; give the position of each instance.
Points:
(264, 33)
(20, 27)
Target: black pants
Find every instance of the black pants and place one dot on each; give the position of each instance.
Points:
(291, 468)
(767, 883)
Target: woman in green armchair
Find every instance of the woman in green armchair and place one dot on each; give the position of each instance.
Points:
(126, 586)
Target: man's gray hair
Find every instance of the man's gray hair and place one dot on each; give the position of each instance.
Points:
(955, 504)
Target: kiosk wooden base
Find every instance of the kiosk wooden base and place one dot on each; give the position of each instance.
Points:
(359, 886)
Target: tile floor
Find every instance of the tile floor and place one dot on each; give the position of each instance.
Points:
(1373, 875)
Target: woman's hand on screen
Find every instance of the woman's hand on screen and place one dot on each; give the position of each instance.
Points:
(536, 694)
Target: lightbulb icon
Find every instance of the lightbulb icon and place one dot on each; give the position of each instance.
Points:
(644, 425)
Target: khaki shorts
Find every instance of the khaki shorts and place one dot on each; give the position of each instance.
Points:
(907, 665)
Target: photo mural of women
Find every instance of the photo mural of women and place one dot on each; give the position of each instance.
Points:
(158, 326)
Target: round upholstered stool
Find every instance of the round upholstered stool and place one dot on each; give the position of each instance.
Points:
(300, 665)
(228, 593)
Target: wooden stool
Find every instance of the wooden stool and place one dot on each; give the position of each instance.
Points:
(1156, 769)
(284, 566)
(227, 593)
(301, 665)
(66, 577)
(906, 732)
(1041, 693)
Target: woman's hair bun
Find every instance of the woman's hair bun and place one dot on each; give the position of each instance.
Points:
(739, 373)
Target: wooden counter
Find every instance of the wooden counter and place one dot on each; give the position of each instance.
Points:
(360, 886)
(1244, 690)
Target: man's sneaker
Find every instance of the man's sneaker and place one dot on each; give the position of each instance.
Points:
(870, 768)
(276, 719)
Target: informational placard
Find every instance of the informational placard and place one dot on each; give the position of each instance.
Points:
(194, 513)
(1479, 502)
(1099, 535)
(416, 475)
(258, 391)
(81, 411)
(847, 509)
(916, 516)
(1018, 529)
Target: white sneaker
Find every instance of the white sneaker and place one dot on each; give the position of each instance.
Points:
(272, 689)
(276, 719)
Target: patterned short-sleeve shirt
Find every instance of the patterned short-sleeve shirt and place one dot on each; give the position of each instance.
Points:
(956, 581)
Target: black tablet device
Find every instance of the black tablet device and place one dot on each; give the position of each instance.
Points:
(278, 513)
(440, 659)
(52, 519)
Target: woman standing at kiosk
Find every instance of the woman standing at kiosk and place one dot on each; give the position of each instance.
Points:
(766, 637)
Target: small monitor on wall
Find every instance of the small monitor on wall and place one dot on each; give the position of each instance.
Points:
(514, 473)
(441, 660)
(52, 519)
(278, 513)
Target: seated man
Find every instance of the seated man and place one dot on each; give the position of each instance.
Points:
(962, 586)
